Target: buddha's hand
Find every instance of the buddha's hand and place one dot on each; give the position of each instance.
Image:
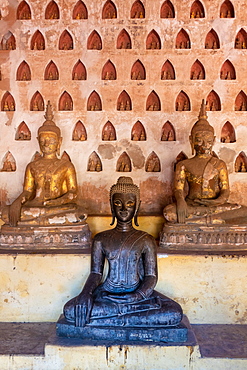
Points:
(83, 308)
(15, 212)
(182, 210)
(209, 202)
(123, 298)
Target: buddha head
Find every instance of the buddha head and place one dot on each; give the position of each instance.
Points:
(125, 200)
(49, 135)
(202, 134)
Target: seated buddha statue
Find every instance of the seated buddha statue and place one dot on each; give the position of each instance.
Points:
(126, 297)
(206, 178)
(50, 186)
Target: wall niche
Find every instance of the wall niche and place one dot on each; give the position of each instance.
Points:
(109, 132)
(227, 10)
(79, 71)
(109, 10)
(65, 102)
(94, 163)
(124, 40)
(241, 40)
(241, 163)
(180, 157)
(52, 10)
(94, 102)
(228, 133)
(94, 41)
(23, 72)
(80, 11)
(167, 10)
(124, 163)
(137, 10)
(153, 102)
(138, 71)
(109, 71)
(197, 10)
(197, 71)
(8, 102)
(227, 71)
(138, 132)
(241, 102)
(124, 101)
(168, 71)
(79, 132)
(212, 40)
(51, 71)
(182, 40)
(23, 11)
(182, 102)
(168, 132)
(213, 101)
(152, 163)
(153, 40)
(38, 41)
(8, 41)
(65, 41)
(23, 132)
(37, 102)
(9, 163)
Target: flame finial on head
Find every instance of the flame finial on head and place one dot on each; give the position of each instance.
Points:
(202, 124)
(48, 113)
(49, 125)
(203, 112)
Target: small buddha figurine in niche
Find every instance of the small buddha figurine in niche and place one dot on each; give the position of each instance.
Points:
(50, 186)
(207, 180)
(126, 297)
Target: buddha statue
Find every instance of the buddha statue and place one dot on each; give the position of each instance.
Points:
(126, 297)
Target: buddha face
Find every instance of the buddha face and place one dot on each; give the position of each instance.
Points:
(124, 206)
(49, 142)
(203, 142)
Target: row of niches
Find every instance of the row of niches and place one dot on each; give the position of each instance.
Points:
(124, 102)
(137, 72)
(124, 41)
(138, 132)
(124, 163)
(109, 10)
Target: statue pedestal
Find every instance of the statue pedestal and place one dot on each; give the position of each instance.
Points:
(171, 334)
(202, 238)
(48, 237)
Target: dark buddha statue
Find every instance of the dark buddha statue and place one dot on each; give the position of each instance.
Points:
(126, 297)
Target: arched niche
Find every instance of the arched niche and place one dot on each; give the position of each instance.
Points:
(79, 71)
(168, 71)
(94, 102)
(94, 41)
(65, 102)
(65, 156)
(167, 10)
(94, 163)
(23, 72)
(227, 10)
(65, 41)
(180, 157)
(228, 133)
(227, 71)
(124, 101)
(23, 132)
(8, 41)
(79, 132)
(109, 132)
(182, 40)
(137, 10)
(138, 71)
(152, 163)
(23, 11)
(197, 71)
(153, 40)
(52, 10)
(8, 163)
(8, 102)
(212, 40)
(241, 102)
(109, 71)
(168, 132)
(124, 163)
(182, 102)
(197, 10)
(80, 11)
(241, 163)
(37, 102)
(109, 10)
(241, 40)
(138, 132)
(38, 41)
(153, 102)
(213, 101)
(124, 40)
(51, 71)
